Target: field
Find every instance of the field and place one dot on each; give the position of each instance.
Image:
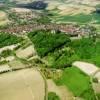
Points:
(74, 11)
(3, 18)
(22, 85)
(79, 18)
(26, 52)
(70, 11)
(53, 53)
(77, 82)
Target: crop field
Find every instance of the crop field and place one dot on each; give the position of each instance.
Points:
(3, 18)
(22, 85)
(80, 18)
(77, 82)
(17, 64)
(25, 53)
(49, 49)
(74, 12)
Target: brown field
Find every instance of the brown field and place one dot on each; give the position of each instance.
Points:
(3, 18)
(17, 64)
(73, 6)
(75, 9)
(20, 10)
(25, 53)
(22, 1)
(25, 84)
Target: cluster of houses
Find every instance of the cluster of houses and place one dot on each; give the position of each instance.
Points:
(72, 30)
(25, 14)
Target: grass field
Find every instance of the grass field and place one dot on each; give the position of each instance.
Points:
(77, 82)
(3, 18)
(80, 18)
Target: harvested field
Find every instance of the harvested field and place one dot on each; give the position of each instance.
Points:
(17, 64)
(3, 18)
(75, 9)
(3, 15)
(21, 10)
(25, 53)
(52, 5)
(87, 68)
(22, 1)
(10, 47)
(25, 84)
(96, 87)
(4, 68)
(97, 75)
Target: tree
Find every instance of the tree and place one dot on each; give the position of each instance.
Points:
(53, 96)
(93, 33)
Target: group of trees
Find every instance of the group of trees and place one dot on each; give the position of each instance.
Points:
(86, 49)
(6, 53)
(59, 51)
(53, 96)
(8, 39)
(98, 8)
(46, 42)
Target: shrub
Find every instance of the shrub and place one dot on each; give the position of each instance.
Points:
(53, 96)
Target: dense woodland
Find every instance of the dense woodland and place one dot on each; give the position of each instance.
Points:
(59, 51)
(46, 42)
(8, 39)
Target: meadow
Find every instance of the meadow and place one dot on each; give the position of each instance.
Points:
(79, 18)
(77, 82)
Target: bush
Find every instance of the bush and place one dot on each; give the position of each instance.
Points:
(53, 96)
(6, 53)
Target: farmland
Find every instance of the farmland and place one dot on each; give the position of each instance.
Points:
(77, 79)
(49, 50)
(25, 82)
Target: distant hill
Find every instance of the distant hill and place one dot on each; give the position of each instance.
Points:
(34, 5)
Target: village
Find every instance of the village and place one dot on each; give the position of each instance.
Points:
(71, 30)
(49, 50)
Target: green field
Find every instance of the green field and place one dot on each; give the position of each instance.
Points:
(87, 50)
(77, 82)
(79, 18)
